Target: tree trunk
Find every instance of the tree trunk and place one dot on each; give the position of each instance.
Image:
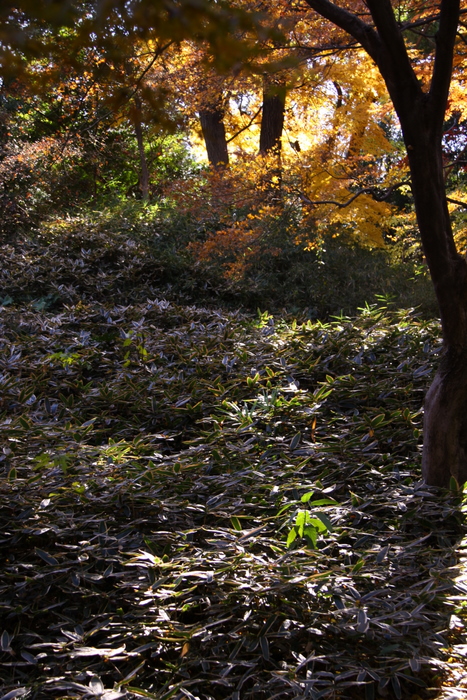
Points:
(212, 125)
(445, 422)
(272, 125)
(272, 122)
(137, 122)
(445, 414)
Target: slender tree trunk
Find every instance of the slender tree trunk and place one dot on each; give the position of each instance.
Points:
(272, 125)
(137, 122)
(212, 125)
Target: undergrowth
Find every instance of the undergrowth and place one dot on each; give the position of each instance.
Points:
(156, 458)
(135, 252)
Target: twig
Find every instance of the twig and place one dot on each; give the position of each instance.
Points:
(245, 127)
(457, 201)
(378, 196)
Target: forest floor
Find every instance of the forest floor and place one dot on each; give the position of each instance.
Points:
(201, 503)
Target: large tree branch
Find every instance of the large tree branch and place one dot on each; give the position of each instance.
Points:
(394, 62)
(445, 40)
(353, 25)
(384, 44)
(389, 33)
(409, 26)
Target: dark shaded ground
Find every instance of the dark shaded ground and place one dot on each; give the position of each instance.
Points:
(154, 458)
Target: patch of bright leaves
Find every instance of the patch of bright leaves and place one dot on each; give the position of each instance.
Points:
(310, 523)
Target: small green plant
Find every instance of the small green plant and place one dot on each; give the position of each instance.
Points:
(64, 358)
(310, 523)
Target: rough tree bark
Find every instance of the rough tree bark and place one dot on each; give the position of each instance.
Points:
(212, 124)
(272, 121)
(421, 114)
(272, 125)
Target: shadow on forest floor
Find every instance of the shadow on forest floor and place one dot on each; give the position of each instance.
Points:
(156, 458)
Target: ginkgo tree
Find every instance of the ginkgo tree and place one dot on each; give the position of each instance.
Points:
(332, 144)
(314, 125)
(348, 166)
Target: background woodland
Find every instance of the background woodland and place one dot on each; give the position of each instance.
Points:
(254, 161)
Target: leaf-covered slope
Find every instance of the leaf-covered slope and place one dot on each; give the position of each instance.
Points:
(153, 464)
